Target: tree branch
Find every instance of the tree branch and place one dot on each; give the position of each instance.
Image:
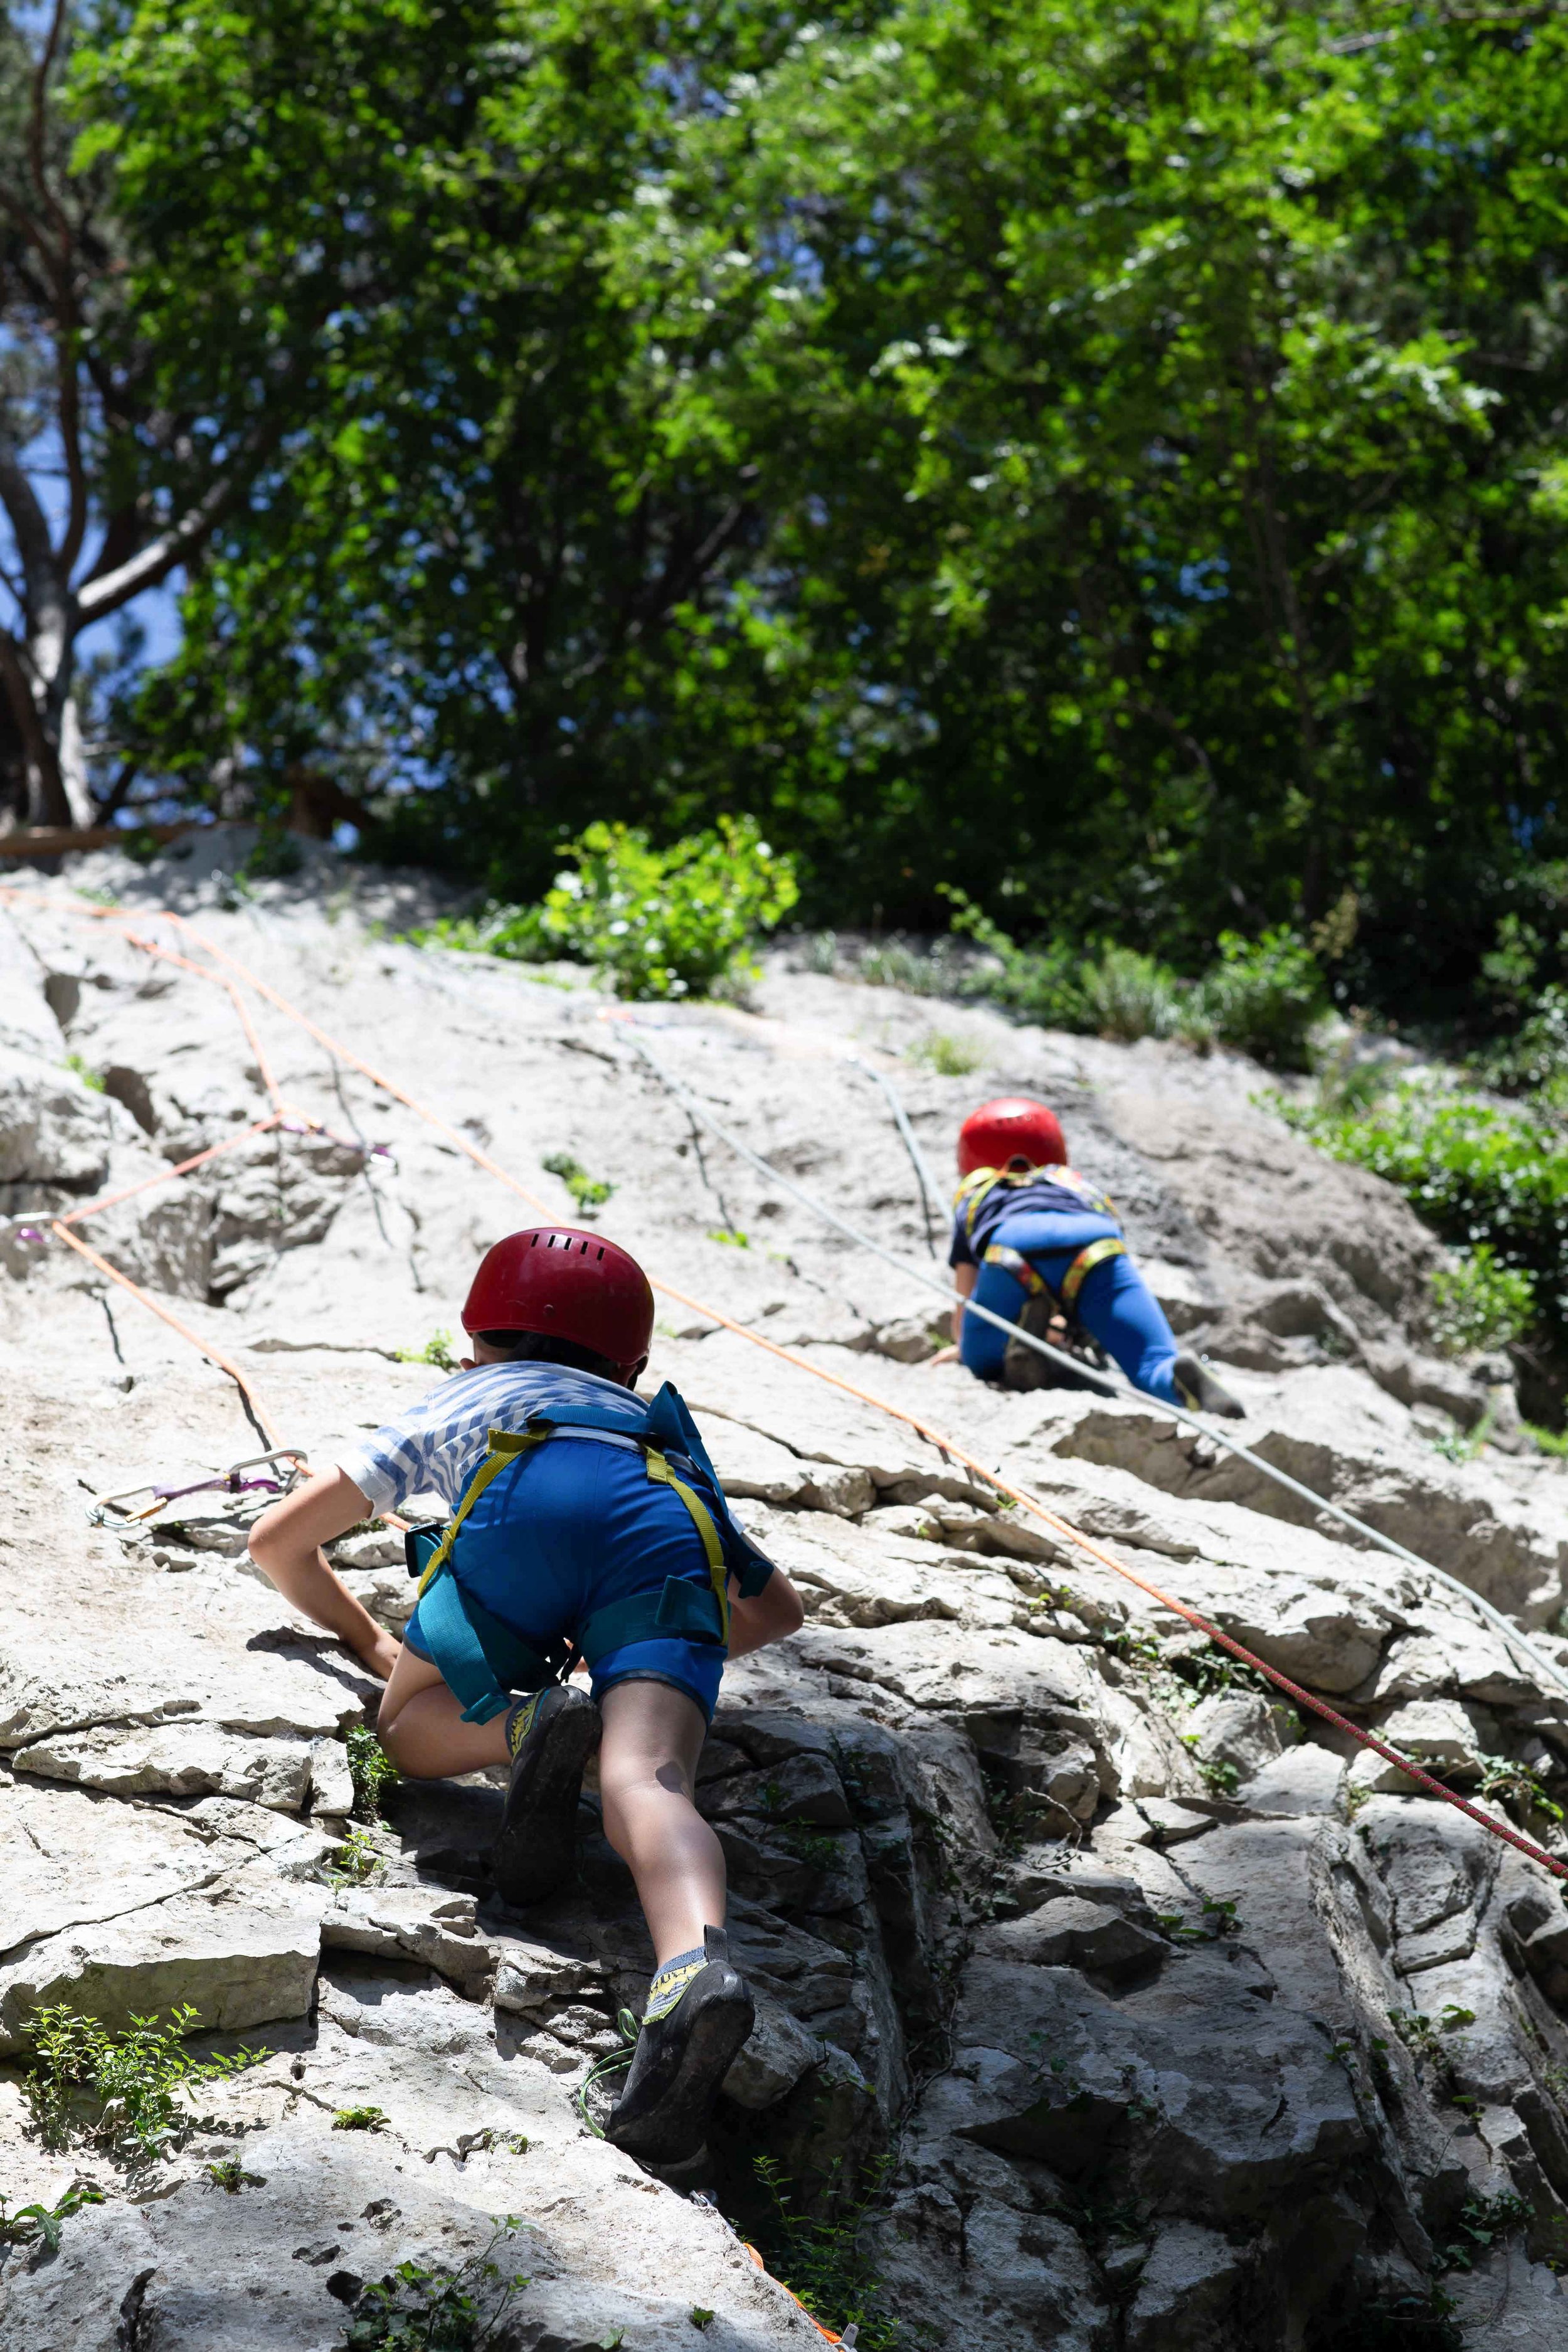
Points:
(109, 590)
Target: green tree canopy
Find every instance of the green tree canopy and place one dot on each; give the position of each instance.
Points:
(1106, 458)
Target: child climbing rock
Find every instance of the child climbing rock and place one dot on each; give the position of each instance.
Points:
(588, 1528)
(1037, 1243)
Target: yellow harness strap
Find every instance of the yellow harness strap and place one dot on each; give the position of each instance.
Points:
(660, 1472)
(502, 1445)
(1085, 1263)
(982, 1181)
(1012, 1262)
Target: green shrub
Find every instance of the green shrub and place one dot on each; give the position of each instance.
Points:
(419, 2307)
(1477, 1174)
(1264, 996)
(1477, 1303)
(1537, 1056)
(120, 2091)
(1037, 984)
(949, 1058)
(654, 922)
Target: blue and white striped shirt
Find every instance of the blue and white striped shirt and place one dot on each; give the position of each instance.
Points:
(436, 1447)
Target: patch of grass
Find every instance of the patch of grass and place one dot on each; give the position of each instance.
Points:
(588, 1192)
(371, 1770)
(79, 1069)
(437, 1350)
(22, 2225)
(421, 2308)
(701, 2318)
(949, 1058)
(938, 972)
(821, 2258)
(1548, 1440)
(125, 2092)
(365, 2119)
(732, 1237)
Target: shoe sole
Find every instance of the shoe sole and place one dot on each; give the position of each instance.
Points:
(675, 2130)
(537, 1847)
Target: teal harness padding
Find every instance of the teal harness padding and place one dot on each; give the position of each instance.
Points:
(480, 1658)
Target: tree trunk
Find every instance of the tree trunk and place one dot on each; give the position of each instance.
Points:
(37, 681)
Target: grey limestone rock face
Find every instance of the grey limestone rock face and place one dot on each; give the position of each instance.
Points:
(1145, 2014)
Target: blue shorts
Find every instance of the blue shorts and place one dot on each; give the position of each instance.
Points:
(1115, 1305)
(572, 1526)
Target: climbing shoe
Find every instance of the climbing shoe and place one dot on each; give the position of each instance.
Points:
(699, 2013)
(550, 1738)
(1199, 1390)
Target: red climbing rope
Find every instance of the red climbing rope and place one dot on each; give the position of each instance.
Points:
(946, 1445)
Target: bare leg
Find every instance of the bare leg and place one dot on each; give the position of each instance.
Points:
(648, 1767)
(421, 1728)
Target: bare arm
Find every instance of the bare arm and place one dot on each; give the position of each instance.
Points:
(965, 1279)
(285, 1544)
(775, 1612)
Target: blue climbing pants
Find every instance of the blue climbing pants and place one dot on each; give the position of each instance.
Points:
(566, 1531)
(1115, 1305)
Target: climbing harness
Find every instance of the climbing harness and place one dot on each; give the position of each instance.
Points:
(293, 1465)
(482, 1660)
(1522, 1648)
(981, 1182)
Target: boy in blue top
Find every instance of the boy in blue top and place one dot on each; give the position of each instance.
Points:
(1036, 1244)
(588, 1527)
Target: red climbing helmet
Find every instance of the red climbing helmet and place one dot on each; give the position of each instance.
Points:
(1013, 1126)
(564, 1285)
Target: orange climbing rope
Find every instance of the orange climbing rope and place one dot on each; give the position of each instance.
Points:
(946, 1445)
(214, 1356)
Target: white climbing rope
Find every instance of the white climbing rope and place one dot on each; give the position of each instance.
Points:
(1523, 1649)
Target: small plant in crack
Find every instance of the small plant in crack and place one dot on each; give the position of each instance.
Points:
(365, 2119)
(1519, 1787)
(421, 2307)
(821, 2256)
(371, 1770)
(125, 2093)
(437, 1351)
(1220, 1779)
(39, 2224)
(358, 1861)
(588, 1192)
(1482, 2221)
(229, 2175)
(812, 1847)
